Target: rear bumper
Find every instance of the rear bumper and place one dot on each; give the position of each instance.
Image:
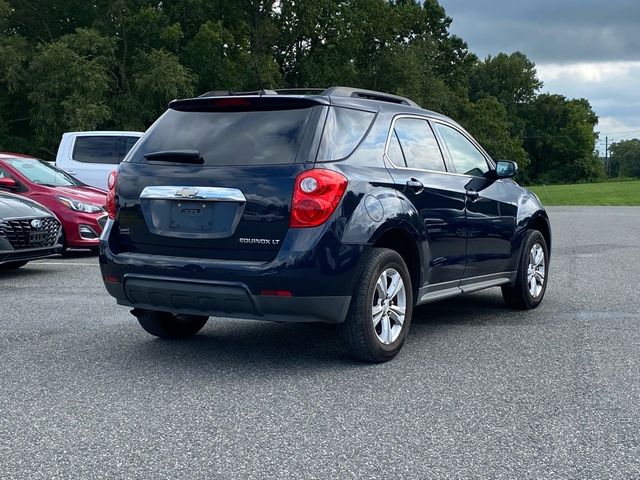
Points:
(224, 299)
(318, 281)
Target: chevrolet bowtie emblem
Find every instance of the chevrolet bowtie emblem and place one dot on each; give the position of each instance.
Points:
(187, 192)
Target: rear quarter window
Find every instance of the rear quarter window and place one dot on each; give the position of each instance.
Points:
(344, 130)
(107, 149)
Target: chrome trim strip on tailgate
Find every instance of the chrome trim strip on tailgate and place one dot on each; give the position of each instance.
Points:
(207, 194)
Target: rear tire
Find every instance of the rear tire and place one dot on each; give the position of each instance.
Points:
(13, 265)
(533, 274)
(169, 326)
(380, 312)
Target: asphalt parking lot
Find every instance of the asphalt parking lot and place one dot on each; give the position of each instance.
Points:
(479, 391)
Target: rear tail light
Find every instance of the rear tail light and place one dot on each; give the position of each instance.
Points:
(111, 195)
(276, 293)
(316, 196)
(111, 181)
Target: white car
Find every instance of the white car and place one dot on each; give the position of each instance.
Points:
(91, 156)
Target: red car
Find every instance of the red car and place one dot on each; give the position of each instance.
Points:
(79, 207)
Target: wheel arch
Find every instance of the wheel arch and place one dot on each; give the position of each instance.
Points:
(405, 244)
(540, 222)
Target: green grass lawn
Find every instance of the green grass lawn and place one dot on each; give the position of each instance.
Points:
(606, 194)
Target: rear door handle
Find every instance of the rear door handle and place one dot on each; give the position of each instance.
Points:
(415, 185)
(71, 172)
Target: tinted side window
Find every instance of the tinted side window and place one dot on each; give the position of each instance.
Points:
(465, 156)
(419, 144)
(343, 131)
(97, 149)
(102, 149)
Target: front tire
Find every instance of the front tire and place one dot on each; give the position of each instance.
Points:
(381, 307)
(63, 250)
(169, 326)
(533, 273)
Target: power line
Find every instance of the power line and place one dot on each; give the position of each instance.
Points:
(623, 132)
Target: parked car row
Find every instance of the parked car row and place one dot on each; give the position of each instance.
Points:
(46, 208)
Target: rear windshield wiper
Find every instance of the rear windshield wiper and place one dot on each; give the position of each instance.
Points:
(176, 156)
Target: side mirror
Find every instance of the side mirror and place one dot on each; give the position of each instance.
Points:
(8, 183)
(506, 169)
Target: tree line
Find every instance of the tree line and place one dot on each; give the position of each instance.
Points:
(114, 64)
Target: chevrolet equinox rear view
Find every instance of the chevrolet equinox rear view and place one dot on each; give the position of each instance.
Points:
(341, 206)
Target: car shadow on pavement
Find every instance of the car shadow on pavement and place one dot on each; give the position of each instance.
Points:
(71, 254)
(474, 308)
(225, 345)
(20, 273)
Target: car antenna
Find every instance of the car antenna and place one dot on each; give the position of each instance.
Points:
(255, 65)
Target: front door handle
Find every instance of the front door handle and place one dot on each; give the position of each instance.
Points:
(472, 195)
(415, 185)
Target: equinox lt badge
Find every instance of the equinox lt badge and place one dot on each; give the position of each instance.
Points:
(259, 241)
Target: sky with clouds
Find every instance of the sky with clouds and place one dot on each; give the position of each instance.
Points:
(582, 48)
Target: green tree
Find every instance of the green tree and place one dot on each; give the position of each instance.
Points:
(158, 77)
(114, 64)
(488, 122)
(70, 82)
(43, 21)
(15, 115)
(217, 59)
(560, 139)
(512, 79)
(625, 158)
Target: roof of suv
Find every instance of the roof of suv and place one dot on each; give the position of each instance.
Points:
(339, 96)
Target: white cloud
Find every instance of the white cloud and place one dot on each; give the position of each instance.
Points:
(588, 72)
(611, 88)
(584, 49)
(549, 30)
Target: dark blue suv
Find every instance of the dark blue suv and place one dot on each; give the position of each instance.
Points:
(341, 206)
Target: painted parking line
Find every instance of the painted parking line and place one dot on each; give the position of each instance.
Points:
(68, 263)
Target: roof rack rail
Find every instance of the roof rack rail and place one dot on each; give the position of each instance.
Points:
(300, 91)
(329, 92)
(369, 94)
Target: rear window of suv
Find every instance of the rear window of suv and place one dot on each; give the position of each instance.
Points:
(227, 138)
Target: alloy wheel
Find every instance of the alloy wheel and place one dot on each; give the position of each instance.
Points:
(536, 271)
(389, 306)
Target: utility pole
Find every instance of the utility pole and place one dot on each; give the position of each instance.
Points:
(606, 157)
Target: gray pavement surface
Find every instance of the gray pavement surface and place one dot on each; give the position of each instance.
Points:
(479, 391)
